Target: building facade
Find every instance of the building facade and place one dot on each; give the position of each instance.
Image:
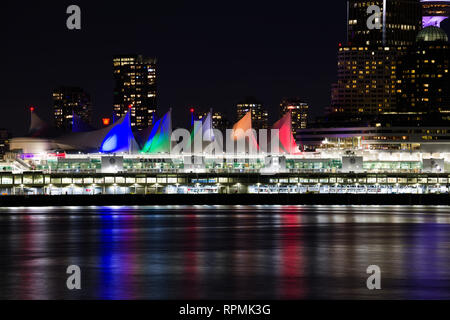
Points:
(70, 102)
(366, 75)
(328, 172)
(420, 139)
(135, 89)
(299, 112)
(366, 80)
(400, 21)
(423, 75)
(260, 116)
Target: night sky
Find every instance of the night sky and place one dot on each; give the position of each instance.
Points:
(210, 53)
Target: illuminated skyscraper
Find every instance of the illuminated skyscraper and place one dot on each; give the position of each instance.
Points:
(423, 75)
(299, 112)
(260, 116)
(70, 102)
(366, 79)
(135, 88)
(400, 21)
(434, 12)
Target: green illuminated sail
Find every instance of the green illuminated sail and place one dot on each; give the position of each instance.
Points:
(159, 139)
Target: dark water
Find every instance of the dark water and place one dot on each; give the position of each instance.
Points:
(219, 252)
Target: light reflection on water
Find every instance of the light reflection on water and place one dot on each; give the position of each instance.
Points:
(225, 252)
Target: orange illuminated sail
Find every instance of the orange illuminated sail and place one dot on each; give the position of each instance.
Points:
(240, 130)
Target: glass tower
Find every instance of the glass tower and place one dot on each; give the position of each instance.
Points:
(135, 89)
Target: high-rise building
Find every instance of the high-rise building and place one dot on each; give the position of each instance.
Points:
(70, 102)
(434, 12)
(260, 116)
(366, 79)
(135, 89)
(423, 75)
(400, 21)
(299, 112)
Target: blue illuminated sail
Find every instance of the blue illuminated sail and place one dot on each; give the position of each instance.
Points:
(119, 138)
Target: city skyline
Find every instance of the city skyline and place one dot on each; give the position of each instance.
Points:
(201, 92)
(258, 52)
(225, 150)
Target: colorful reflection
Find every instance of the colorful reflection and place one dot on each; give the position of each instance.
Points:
(225, 252)
(292, 267)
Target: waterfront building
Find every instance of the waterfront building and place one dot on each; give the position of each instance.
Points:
(381, 133)
(135, 88)
(299, 112)
(378, 137)
(71, 106)
(116, 168)
(329, 171)
(119, 137)
(260, 116)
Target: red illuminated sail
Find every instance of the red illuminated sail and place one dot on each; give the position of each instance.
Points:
(287, 140)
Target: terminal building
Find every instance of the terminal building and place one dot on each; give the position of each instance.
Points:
(112, 161)
(387, 145)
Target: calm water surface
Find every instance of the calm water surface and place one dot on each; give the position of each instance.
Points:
(225, 252)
